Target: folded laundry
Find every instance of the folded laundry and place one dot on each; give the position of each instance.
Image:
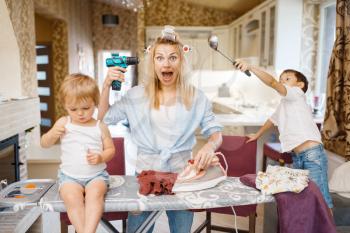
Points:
(278, 179)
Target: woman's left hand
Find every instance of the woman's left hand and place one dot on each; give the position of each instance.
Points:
(204, 157)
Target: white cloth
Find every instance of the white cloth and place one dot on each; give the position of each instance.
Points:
(153, 162)
(75, 144)
(293, 117)
(340, 182)
(279, 179)
(163, 121)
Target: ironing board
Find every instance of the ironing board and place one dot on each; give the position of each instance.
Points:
(125, 197)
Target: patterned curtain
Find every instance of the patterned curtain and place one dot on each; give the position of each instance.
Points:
(336, 130)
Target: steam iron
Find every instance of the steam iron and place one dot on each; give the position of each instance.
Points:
(191, 180)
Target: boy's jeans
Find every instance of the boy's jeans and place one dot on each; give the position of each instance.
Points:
(180, 221)
(315, 160)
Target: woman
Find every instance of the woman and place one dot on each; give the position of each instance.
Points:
(163, 115)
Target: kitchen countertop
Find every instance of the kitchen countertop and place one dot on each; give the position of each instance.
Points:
(229, 113)
(248, 119)
(240, 119)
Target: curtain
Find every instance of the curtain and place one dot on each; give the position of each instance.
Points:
(336, 129)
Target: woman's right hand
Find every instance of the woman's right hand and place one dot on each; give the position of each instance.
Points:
(204, 157)
(114, 73)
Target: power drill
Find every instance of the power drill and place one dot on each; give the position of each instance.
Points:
(121, 61)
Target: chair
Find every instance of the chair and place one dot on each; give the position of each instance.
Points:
(241, 160)
(116, 166)
(273, 150)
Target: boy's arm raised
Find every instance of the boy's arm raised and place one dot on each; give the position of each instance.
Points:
(265, 77)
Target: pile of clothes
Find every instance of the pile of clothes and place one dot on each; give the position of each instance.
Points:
(154, 182)
(278, 179)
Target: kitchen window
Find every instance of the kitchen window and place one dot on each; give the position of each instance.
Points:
(326, 42)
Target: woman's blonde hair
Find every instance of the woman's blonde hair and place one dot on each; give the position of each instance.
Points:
(79, 87)
(152, 83)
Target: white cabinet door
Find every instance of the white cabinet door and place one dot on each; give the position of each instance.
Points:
(267, 35)
(201, 55)
(250, 37)
(264, 31)
(236, 40)
(219, 61)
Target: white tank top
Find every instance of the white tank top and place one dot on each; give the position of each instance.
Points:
(74, 146)
(163, 121)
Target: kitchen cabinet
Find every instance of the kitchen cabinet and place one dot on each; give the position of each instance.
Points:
(201, 55)
(267, 34)
(236, 31)
(225, 44)
(270, 34)
(245, 36)
(280, 34)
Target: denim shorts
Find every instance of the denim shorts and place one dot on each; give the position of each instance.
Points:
(63, 178)
(315, 161)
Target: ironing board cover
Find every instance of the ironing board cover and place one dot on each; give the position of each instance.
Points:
(230, 192)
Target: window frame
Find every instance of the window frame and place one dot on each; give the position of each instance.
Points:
(318, 80)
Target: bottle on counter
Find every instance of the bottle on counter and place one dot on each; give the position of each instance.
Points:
(224, 91)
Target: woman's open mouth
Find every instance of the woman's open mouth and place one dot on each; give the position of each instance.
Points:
(167, 76)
